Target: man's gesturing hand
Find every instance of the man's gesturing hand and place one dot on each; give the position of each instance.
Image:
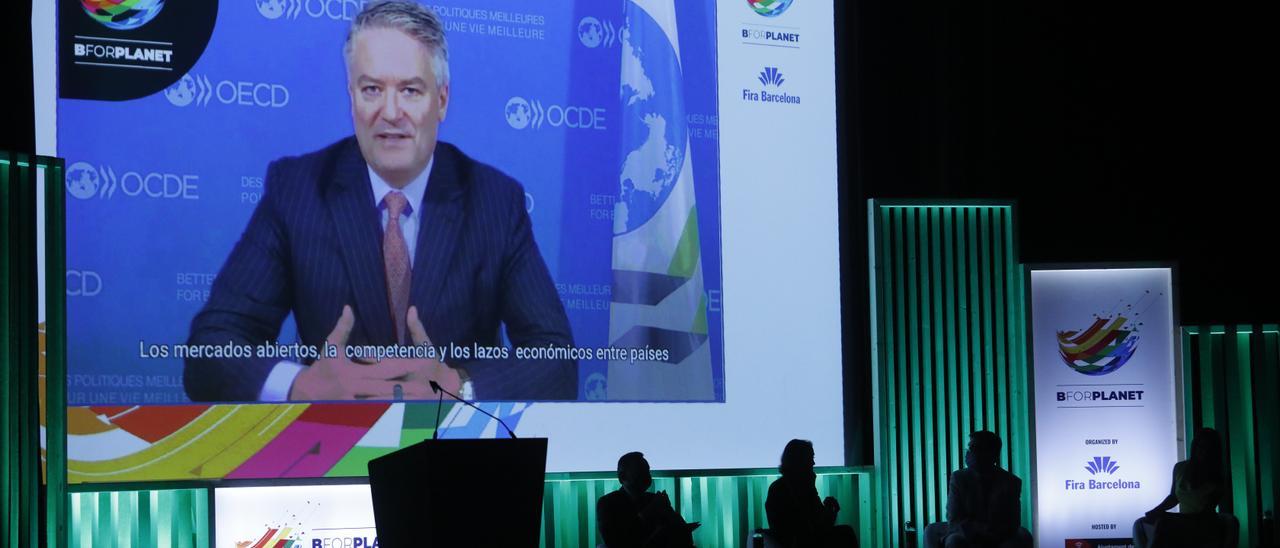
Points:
(338, 378)
(420, 372)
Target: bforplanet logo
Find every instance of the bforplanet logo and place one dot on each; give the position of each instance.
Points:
(118, 50)
(84, 181)
(770, 77)
(772, 34)
(521, 113)
(199, 90)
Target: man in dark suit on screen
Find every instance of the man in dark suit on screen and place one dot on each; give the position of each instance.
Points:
(388, 237)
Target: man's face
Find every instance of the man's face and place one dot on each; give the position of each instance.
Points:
(637, 477)
(396, 106)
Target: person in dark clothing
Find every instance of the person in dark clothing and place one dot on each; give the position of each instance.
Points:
(984, 507)
(797, 518)
(634, 517)
(1199, 486)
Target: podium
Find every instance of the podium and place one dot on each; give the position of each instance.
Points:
(460, 493)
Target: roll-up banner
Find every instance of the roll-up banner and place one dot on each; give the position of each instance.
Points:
(1104, 357)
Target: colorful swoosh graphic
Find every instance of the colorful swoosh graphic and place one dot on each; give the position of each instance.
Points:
(1101, 348)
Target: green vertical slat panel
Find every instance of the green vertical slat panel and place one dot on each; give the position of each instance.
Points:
(1189, 359)
(176, 518)
(988, 376)
(963, 321)
(1207, 385)
(1269, 417)
(953, 387)
(887, 461)
(19, 406)
(940, 441)
(1244, 476)
(10, 496)
(102, 521)
(913, 335)
(569, 508)
(55, 351)
(1000, 340)
(975, 326)
(731, 507)
(1023, 431)
(123, 505)
(1223, 355)
(926, 373)
(867, 513)
(1235, 375)
(902, 465)
(949, 312)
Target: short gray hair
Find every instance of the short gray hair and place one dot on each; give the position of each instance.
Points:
(419, 22)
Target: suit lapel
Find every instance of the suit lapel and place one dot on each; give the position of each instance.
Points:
(350, 202)
(442, 218)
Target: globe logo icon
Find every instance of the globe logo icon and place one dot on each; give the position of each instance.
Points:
(518, 113)
(651, 89)
(271, 9)
(183, 92)
(1102, 347)
(769, 8)
(590, 32)
(596, 387)
(82, 180)
(122, 14)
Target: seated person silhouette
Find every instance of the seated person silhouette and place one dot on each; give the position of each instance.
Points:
(634, 517)
(797, 518)
(984, 505)
(1199, 486)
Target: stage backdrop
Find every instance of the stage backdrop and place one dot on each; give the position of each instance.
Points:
(1106, 400)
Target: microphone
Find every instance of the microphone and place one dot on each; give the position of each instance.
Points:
(435, 387)
(435, 434)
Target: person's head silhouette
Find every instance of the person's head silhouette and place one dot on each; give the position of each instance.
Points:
(1206, 456)
(984, 450)
(797, 460)
(633, 473)
(1207, 447)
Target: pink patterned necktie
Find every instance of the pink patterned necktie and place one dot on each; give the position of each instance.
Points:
(395, 255)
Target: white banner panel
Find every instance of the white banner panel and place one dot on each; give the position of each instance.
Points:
(296, 516)
(1106, 395)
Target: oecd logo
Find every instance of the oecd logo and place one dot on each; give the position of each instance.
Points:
(185, 91)
(518, 113)
(524, 113)
(196, 89)
(769, 8)
(84, 181)
(274, 9)
(335, 10)
(596, 387)
(83, 283)
(122, 14)
(770, 76)
(593, 33)
(1101, 465)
